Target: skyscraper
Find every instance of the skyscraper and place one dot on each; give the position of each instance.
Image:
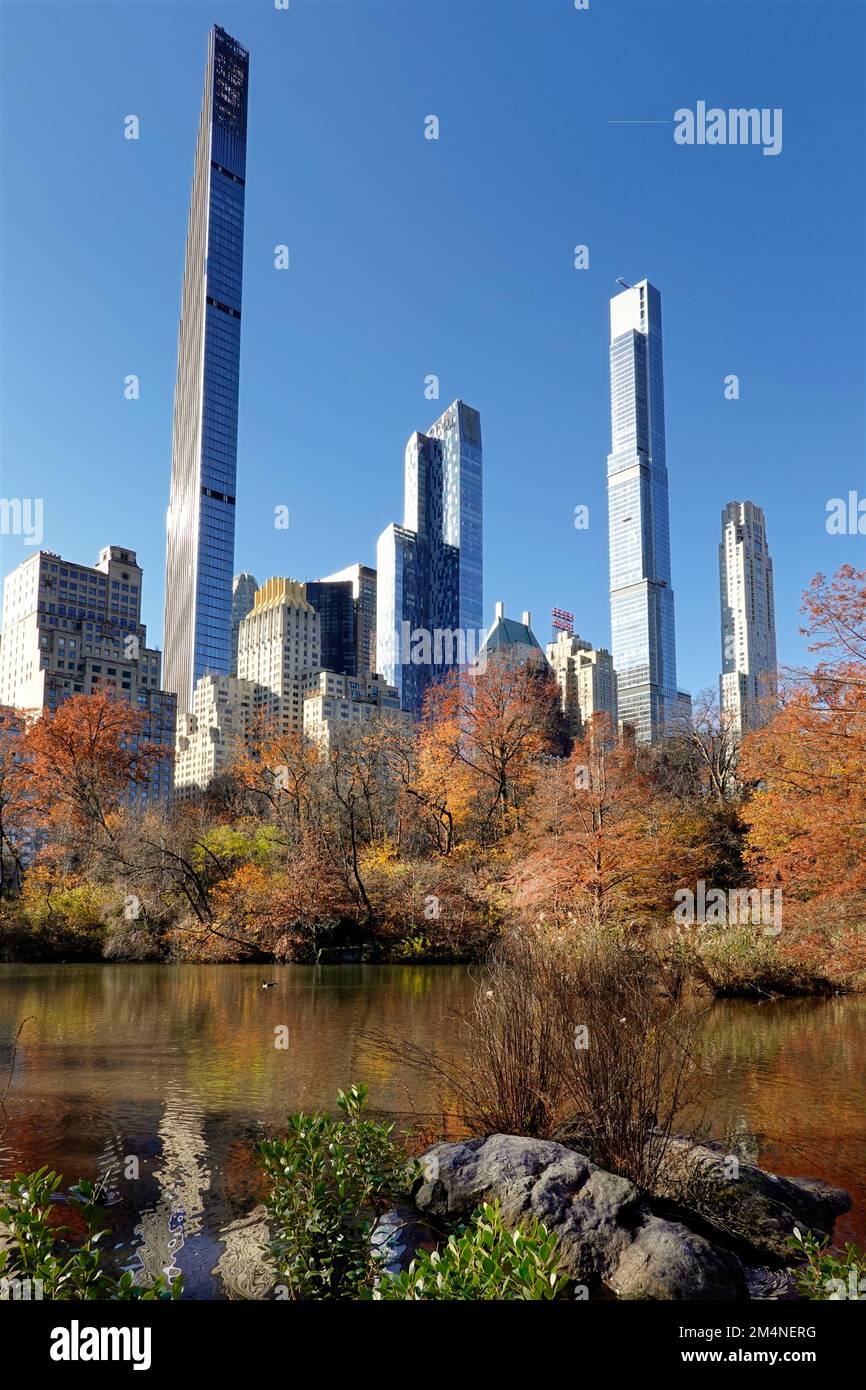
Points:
(244, 588)
(363, 581)
(641, 597)
(459, 429)
(279, 648)
(748, 615)
(201, 514)
(429, 588)
(335, 605)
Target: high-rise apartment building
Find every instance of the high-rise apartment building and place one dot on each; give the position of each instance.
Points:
(586, 680)
(244, 587)
(429, 591)
(641, 598)
(363, 581)
(459, 431)
(335, 703)
(747, 683)
(213, 734)
(71, 629)
(279, 649)
(201, 513)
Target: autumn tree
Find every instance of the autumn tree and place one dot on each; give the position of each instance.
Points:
(20, 808)
(605, 844)
(807, 818)
(84, 759)
(488, 732)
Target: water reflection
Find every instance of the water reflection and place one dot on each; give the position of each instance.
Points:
(176, 1068)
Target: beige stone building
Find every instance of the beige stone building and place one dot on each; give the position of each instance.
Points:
(279, 648)
(213, 734)
(586, 680)
(335, 702)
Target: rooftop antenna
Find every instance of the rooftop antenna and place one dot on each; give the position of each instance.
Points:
(620, 281)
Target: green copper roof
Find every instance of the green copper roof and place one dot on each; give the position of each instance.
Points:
(506, 632)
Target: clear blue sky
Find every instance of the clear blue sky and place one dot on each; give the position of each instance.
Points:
(411, 257)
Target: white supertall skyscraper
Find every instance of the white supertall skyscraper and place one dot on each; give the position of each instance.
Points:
(748, 616)
(643, 642)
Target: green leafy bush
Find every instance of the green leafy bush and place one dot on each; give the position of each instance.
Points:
(482, 1261)
(826, 1276)
(332, 1180)
(39, 1256)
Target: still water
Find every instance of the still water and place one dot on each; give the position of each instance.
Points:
(170, 1074)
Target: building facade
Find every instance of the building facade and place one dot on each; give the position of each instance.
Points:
(213, 734)
(244, 588)
(586, 680)
(200, 526)
(748, 617)
(363, 579)
(643, 639)
(429, 605)
(279, 650)
(459, 431)
(336, 702)
(334, 602)
(72, 629)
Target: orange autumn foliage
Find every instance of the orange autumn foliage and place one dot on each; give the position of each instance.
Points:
(807, 815)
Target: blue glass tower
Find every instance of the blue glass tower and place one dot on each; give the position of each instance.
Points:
(459, 431)
(429, 595)
(641, 598)
(200, 524)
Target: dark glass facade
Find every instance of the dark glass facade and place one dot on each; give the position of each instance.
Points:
(334, 602)
(420, 574)
(201, 515)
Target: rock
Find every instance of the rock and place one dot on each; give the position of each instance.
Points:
(668, 1261)
(604, 1229)
(758, 1209)
(398, 1235)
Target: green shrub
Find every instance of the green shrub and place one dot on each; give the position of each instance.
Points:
(482, 1261)
(39, 1255)
(332, 1180)
(824, 1275)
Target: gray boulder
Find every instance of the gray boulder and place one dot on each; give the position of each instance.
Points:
(740, 1200)
(605, 1231)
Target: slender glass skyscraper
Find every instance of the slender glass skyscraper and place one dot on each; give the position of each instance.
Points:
(201, 513)
(429, 615)
(641, 598)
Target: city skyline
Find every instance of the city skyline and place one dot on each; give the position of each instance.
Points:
(570, 567)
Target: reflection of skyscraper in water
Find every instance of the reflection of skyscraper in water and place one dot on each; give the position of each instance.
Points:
(183, 1177)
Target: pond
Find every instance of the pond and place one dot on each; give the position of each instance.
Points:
(168, 1075)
